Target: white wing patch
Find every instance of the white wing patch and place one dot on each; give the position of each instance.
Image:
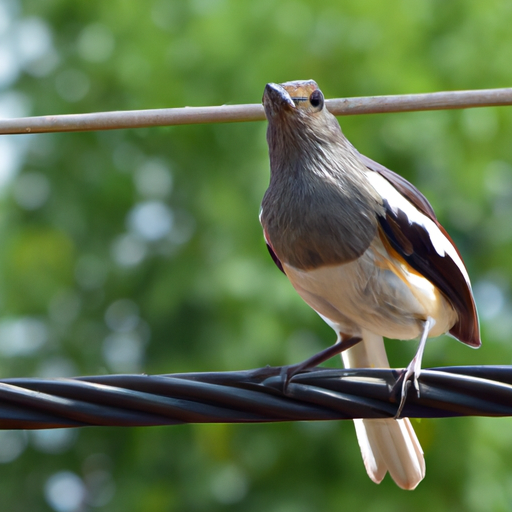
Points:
(397, 201)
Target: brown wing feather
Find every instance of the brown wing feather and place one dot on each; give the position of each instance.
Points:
(442, 271)
(407, 189)
(272, 253)
(277, 261)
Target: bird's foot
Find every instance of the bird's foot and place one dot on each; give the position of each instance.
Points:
(409, 375)
(287, 372)
(413, 370)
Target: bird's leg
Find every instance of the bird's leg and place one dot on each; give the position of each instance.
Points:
(344, 342)
(413, 370)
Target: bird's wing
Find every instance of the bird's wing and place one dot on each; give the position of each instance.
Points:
(272, 253)
(421, 241)
(403, 186)
(277, 261)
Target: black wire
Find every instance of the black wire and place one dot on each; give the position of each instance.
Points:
(251, 396)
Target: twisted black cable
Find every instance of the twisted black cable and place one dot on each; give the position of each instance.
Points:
(250, 396)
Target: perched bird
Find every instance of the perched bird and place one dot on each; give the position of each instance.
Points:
(362, 246)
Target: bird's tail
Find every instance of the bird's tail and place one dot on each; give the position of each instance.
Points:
(386, 444)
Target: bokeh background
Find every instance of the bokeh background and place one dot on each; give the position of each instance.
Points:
(140, 250)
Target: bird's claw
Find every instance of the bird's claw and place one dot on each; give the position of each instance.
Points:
(410, 374)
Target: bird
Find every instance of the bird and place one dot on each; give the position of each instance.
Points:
(363, 247)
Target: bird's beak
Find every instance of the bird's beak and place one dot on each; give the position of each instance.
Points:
(276, 99)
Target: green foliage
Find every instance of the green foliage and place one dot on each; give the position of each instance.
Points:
(140, 250)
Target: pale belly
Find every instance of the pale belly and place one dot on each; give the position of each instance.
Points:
(374, 295)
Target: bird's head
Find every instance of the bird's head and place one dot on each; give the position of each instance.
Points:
(297, 116)
(298, 98)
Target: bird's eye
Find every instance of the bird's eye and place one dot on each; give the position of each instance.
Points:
(317, 99)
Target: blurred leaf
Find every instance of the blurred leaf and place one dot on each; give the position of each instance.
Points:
(79, 234)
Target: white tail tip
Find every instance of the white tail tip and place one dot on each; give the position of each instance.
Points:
(391, 445)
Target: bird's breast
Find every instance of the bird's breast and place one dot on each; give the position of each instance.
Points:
(376, 293)
(316, 222)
